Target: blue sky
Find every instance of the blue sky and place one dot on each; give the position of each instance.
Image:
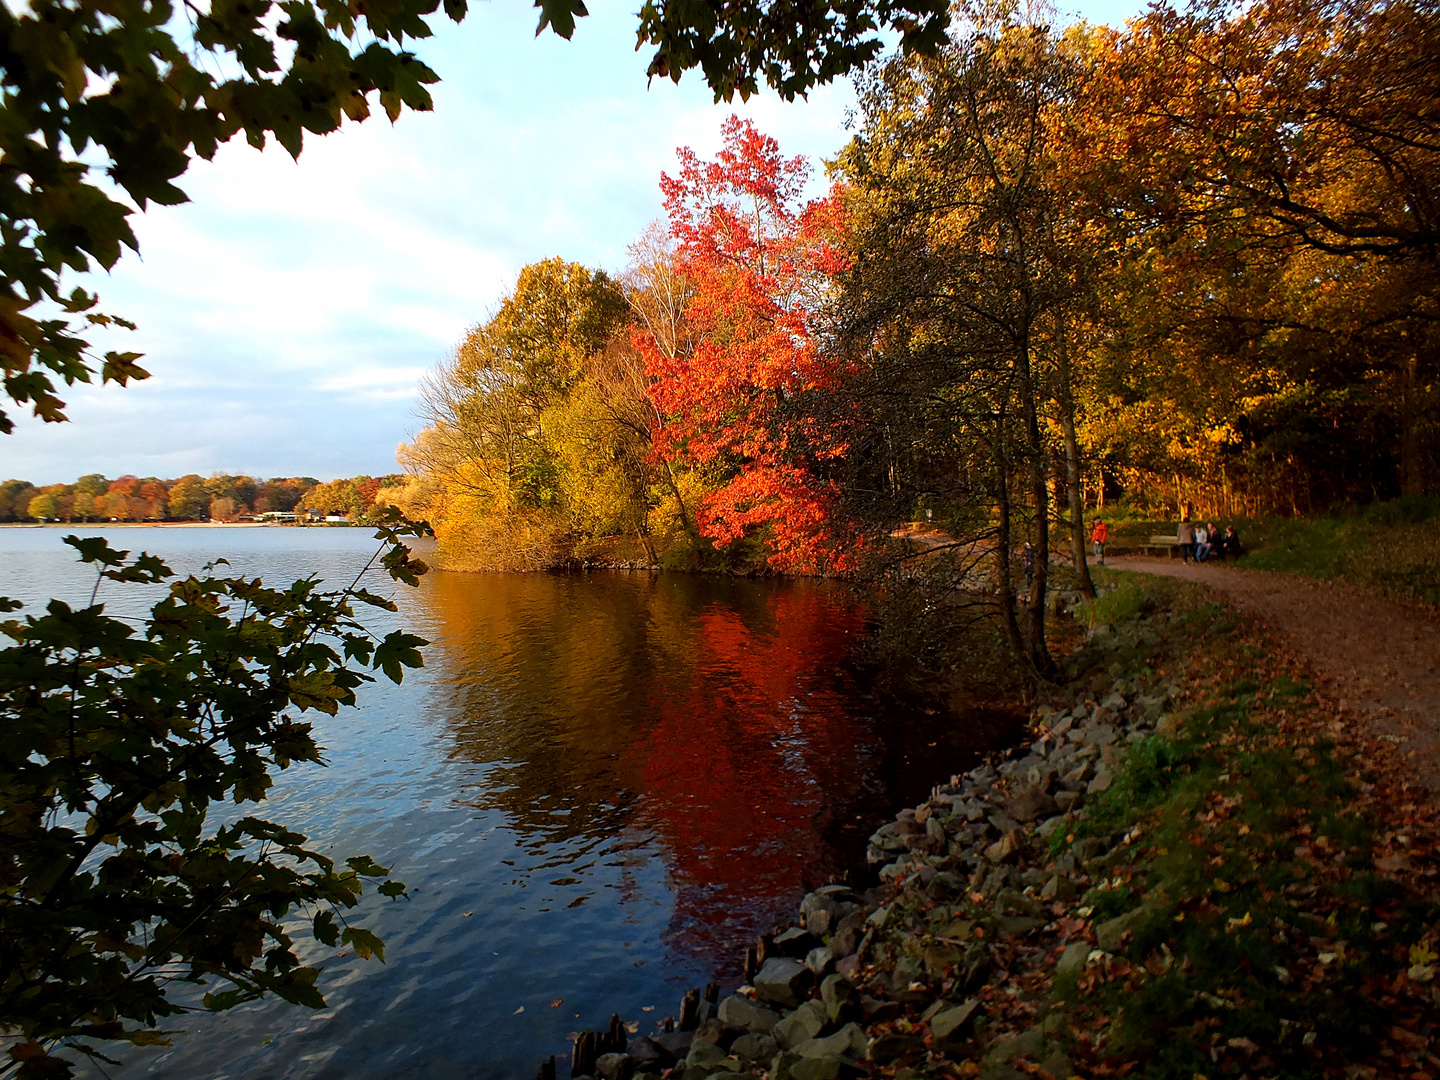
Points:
(289, 310)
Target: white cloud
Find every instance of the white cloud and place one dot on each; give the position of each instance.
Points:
(288, 310)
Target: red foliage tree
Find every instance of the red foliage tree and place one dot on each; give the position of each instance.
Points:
(759, 262)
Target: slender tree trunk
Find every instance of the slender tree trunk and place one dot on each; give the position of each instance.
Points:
(1004, 581)
(1039, 652)
(1072, 460)
(1412, 468)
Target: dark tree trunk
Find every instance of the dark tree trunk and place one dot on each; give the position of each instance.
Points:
(1072, 461)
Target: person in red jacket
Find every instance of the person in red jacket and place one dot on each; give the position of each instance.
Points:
(1098, 536)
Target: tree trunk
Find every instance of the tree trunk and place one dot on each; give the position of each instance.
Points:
(1039, 652)
(1412, 466)
(1072, 461)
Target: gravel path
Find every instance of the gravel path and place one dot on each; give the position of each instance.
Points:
(1378, 658)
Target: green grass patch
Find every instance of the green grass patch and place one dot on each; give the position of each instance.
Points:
(1255, 916)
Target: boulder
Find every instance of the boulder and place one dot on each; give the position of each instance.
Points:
(1104, 777)
(841, 1000)
(740, 1012)
(794, 942)
(820, 961)
(1072, 960)
(846, 938)
(781, 981)
(614, 1066)
(1030, 803)
(1110, 935)
(674, 1043)
(952, 1026)
(892, 1046)
(804, 1023)
(849, 1040)
(648, 1054)
(754, 1047)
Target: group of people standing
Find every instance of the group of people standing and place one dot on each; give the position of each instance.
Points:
(1202, 542)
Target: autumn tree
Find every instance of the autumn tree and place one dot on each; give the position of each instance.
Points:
(1277, 166)
(969, 261)
(759, 263)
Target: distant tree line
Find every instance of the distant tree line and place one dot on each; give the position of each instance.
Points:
(220, 497)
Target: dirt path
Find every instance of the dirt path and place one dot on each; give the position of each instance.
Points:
(1378, 658)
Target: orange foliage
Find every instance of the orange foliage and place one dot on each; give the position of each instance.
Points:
(759, 263)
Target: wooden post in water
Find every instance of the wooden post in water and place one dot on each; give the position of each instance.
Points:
(582, 1057)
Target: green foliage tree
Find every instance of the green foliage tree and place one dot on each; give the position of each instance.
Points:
(189, 500)
(115, 746)
(43, 507)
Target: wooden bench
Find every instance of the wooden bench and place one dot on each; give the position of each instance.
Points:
(1155, 545)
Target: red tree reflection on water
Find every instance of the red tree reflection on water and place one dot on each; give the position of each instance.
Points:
(746, 748)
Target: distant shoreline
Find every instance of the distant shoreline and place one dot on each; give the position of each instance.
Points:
(174, 525)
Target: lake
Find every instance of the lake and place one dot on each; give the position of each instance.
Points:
(599, 790)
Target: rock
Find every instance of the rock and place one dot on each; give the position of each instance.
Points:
(841, 1000)
(817, 1068)
(781, 981)
(952, 1026)
(846, 938)
(1072, 960)
(1065, 801)
(754, 1046)
(1104, 777)
(1050, 825)
(740, 1012)
(794, 942)
(647, 1053)
(944, 885)
(816, 911)
(1027, 1043)
(702, 1060)
(1058, 1066)
(820, 961)
(1109, 935)
(1063, 726)
(878, 916)
(1018, 925)
(892, 1046)
(850, 1040)
(711, 1031)
(1015, 900)
(1030, 803)
(848, 967)
(1058, 887)
(614, 1066)
(674, 1043)
(1004, 848)
(1168, 724)
(1115, 702)
(934, 834)
(804, 1023)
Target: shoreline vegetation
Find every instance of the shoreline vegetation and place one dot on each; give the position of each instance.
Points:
(1196, 866)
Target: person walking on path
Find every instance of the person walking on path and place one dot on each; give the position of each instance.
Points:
(1186, 537)
(1027, 562)
(1098, 535)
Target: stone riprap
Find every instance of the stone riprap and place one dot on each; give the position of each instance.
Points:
(903, 979)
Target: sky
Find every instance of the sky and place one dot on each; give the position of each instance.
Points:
(288, 312)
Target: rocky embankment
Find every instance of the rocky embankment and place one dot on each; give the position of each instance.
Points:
(925, 971)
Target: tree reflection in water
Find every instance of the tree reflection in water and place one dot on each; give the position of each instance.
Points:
(715, 719)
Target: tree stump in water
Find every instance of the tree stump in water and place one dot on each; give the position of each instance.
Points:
(582, 1057)
(690, 1010)
(547, 1069)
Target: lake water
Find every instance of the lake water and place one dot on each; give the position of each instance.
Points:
(600, 789)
